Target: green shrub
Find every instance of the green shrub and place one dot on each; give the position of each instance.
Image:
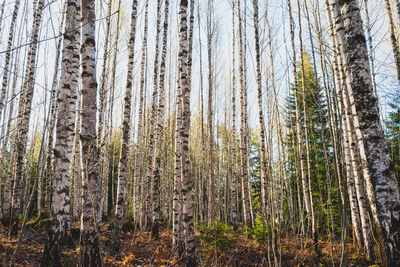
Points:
(259, 232)
(220, 235)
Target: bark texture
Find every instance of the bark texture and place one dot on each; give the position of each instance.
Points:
(188, 224)
(382, 182)
(89, 240)
(60, 229)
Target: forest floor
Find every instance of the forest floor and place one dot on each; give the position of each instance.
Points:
(138, 249)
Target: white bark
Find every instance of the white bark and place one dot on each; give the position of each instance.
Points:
(123, 159)
(89, 242)
(382, 187)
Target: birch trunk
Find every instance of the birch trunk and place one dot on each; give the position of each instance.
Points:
(102, 124)
(89, 241)
(104, 74)
(109, 123)
(140, 131)
(44, 184)
(159, 129)
(354, 211)
(152, 120)
(60, 229)
(263, 168)
(243, 130)
(123, 159)
(183, 59)
(382, 187)
(177, 199)
(337, 73)
(210, 143)
(233, 138)
(358, 183)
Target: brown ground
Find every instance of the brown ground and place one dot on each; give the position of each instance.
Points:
(142, 251)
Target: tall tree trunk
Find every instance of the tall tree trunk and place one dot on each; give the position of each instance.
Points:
(60, 230)
(337, 72)
(350, 172)
(104, 73)
(263, 162)
(140, 131)
(160, 128)
(123, 157)
(152, 120)
(101, 126)
(382, 187)
(353, 159)
(203, 149)
(183, 59)
(233, 188)
(243, 129)
(89, 240)
(210, 125)
(110, 112)
(45, 182)
(359, 183)
(177, 199)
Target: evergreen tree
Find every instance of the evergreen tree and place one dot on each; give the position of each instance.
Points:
(316, 110)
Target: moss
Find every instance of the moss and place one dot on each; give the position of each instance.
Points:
(40, 225)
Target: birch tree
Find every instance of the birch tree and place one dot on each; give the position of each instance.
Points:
(243, 115)
(186, 180)
(140, 129)
(152, 120)
(234, 159)
(383, 187)
(89, 240)
(263, 162)
(159, 128)
(122, 175)
(210, 149)
(60, 230)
